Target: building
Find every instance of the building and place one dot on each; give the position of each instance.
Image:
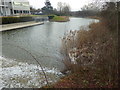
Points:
(4, 8)
(14, 7)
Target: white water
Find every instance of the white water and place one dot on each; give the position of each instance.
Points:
(18, 74)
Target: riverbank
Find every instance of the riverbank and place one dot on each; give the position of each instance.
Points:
(43, 41)
(95, 60)
(12, 26)
(60, 19)
(95, 17)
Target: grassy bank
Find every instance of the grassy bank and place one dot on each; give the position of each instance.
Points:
(60, 19)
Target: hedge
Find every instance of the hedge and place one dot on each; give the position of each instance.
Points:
(8, 20)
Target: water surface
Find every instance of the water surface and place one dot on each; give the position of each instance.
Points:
(43, 41)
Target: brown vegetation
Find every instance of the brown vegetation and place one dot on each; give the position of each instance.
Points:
(91, 56)
(95, 58)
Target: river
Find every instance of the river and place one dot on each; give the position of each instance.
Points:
(42, 41)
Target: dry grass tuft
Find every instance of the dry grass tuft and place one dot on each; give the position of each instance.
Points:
(94, 50)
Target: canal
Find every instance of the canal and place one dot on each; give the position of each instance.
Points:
(42, 41)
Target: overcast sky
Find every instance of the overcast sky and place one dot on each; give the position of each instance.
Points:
(75, 4)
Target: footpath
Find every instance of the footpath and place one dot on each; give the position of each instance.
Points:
(13, 26)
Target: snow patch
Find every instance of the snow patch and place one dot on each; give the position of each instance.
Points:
(18, 74)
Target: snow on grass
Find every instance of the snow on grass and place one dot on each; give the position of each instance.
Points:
(18, 74)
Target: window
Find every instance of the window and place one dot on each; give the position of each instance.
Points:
(15, 11)
(20, 11)
(23, 11)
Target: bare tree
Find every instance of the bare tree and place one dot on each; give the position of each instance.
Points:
(66, 9)
(63, 8)
(59, 7)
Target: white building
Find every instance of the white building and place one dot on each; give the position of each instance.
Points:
(14, 7)
(4, 9)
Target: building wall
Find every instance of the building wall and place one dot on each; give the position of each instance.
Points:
(4, 8)
(21, 7)
(6, 11)
(14, 7)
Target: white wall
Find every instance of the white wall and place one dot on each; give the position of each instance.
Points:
(4, 9)
(21, 5)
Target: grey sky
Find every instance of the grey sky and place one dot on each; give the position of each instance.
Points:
(75, 4)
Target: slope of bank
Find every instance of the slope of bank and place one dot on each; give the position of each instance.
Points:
(96, 59)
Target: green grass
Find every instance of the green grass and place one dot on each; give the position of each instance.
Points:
(36, 15)
(60, 18)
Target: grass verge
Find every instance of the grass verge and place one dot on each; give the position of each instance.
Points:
(60, 19)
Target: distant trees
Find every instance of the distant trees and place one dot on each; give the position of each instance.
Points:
(59, 7)
(32, 8)
(63, 8)
(96, 7)
(66, 9)
(88, 10)
(47, 9)
(110, 14)
(35, 11)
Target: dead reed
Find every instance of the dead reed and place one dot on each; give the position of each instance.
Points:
(94, 50)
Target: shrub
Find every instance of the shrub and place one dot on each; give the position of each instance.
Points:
(95, 50)
(8, 20)
(110, 14)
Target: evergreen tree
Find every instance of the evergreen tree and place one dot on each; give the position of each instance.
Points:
(47, 9)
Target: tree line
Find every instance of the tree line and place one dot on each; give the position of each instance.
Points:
(95, 8)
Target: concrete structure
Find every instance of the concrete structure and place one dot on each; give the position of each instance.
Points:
(14, 7)
(14, 26)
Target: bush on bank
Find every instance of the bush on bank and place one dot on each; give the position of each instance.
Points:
(95, 54)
